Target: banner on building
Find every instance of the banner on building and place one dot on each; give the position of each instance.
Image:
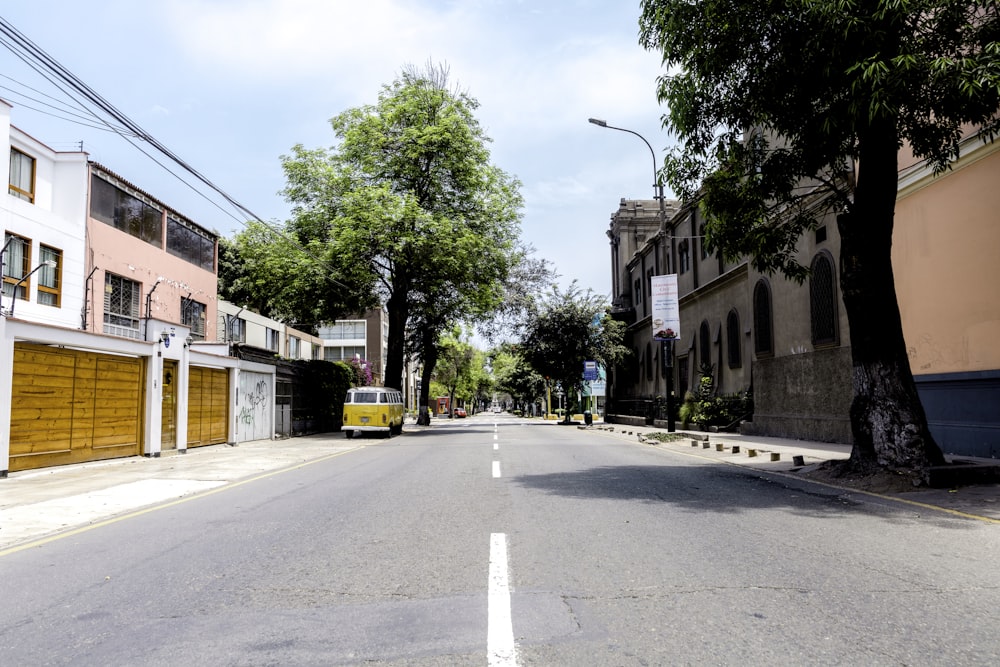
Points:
(666, 309)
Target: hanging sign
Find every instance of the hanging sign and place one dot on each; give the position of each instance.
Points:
(666, 309)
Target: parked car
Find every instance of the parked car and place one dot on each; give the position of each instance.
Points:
(460, 412)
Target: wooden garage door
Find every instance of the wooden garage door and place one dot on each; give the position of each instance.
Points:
(69, 406)
(208, 406)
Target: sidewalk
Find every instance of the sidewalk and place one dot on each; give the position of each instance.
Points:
(38, 503)
(781, 456)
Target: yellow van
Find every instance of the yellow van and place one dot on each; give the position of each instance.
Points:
(378, 409)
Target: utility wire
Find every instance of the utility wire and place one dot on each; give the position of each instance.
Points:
(45, 65)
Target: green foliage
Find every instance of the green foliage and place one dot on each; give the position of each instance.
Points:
(706, 408)
(768, 96)
(515, 376)
(568, 329)
(408, 209)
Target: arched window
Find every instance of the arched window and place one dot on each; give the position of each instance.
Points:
(704, 344)
(763, 338)
(733, 339)
(823, 300)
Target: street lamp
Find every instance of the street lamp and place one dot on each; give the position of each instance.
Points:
(47, 263)
(666, 346)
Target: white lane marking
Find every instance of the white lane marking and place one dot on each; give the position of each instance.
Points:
(500, 648)
(496, 446)
(496, 468)
(496, 437)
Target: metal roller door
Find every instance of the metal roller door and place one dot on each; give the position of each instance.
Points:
(70, 406)
(208, 406)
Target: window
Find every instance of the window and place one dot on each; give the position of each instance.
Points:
(733, 344)
(22, 176)
(823, 301)
(649, 282)
(294, 347)
(637, 290)
(127, 212)
(703, 242)
(50, 276)
(763, 338)
(345, 353)
(683, 257)
(682, 374)
(704, 344)
(16, 265)
(271, 339)
(121, 306)
(189, 243)
(345, 330)
(193, 317)
(237, 330)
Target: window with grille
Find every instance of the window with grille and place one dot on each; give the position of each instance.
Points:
(733, 345)
(193, 317)
(22, 176)
(16, 265)
(50, 276)
(763, 333)
(121, 306)
(823, 301)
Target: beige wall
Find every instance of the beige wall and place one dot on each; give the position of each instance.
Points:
(945, 247)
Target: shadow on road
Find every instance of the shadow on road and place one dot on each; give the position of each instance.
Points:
(725, 489)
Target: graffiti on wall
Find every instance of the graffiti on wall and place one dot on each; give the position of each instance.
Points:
(255, 407)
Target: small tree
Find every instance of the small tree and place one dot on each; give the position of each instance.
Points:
(568, 329)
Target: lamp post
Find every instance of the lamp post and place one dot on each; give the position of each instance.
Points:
(666, 346)
(13, 301)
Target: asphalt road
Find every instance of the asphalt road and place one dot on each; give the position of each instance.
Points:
(491, 541)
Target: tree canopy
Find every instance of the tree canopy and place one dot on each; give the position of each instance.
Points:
(408, 208)
(774, 102)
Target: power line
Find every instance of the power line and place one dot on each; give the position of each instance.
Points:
(48, 67)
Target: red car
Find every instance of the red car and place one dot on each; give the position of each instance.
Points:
(460, 412)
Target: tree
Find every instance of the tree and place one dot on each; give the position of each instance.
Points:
(408, 207)
(455, 367)
(568, 329)
(267, 270)
(515, 376)
(773, 101)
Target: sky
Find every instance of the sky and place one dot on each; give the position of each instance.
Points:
(230, 86)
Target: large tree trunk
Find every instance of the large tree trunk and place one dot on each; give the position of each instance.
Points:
(887, 419)
(430, 355)
(398, 311)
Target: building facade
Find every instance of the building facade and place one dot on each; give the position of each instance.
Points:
(789, 343)
(108, 320)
